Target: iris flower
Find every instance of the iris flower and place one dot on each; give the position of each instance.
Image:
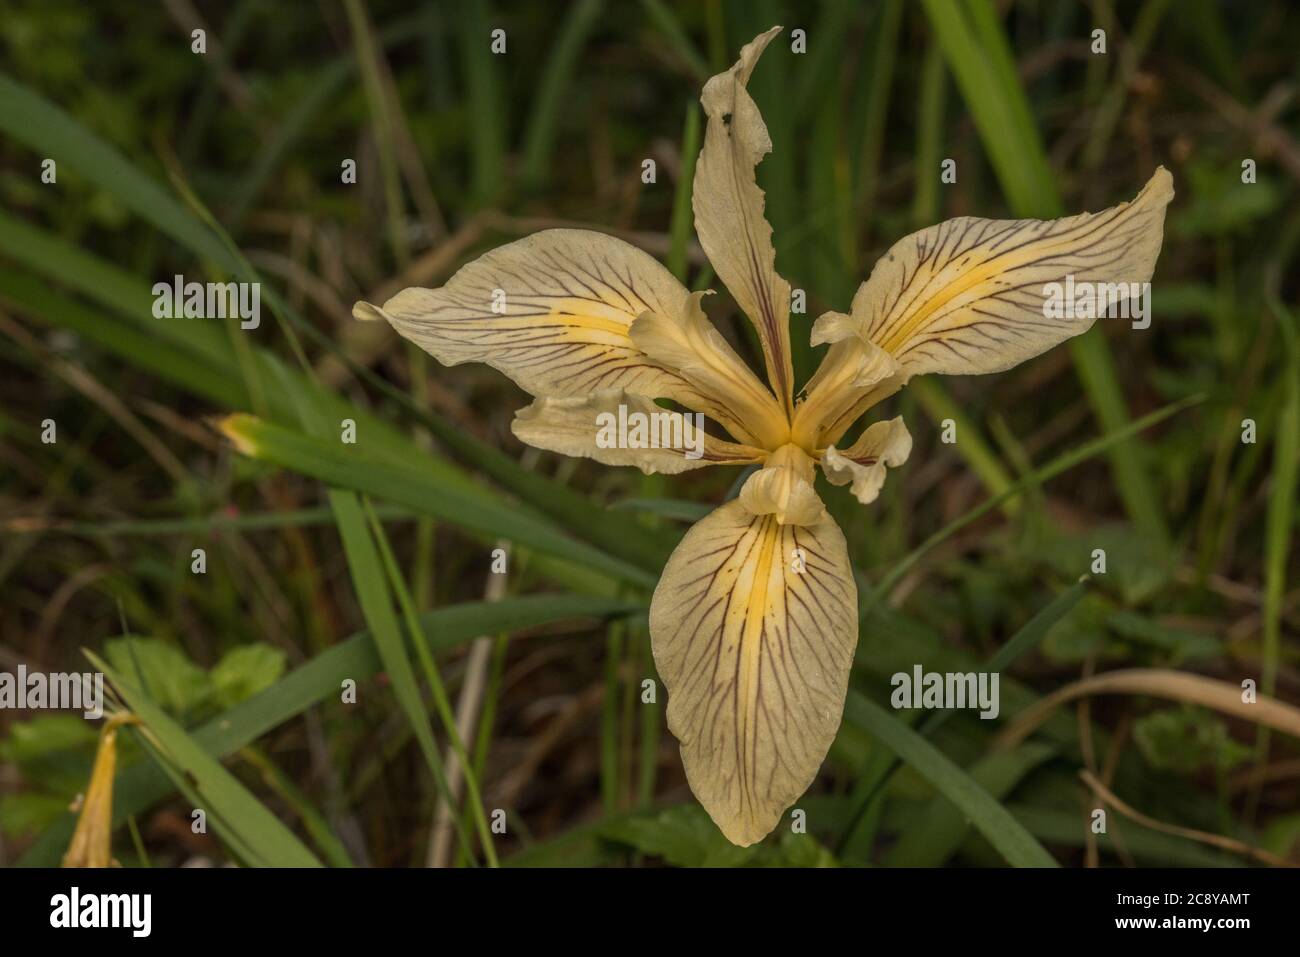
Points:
(755, 620)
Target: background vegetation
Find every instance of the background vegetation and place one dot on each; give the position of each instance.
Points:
(323, 559)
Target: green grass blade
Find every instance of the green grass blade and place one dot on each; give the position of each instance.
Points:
(320, 678)
(980, 58)
(367, 573)
(436, 687)
(665, 20)
(1007, 835)
(1282, 502)
(487, 116)
(1061, 463)
(1057, 826)
(676, 508)
(33, 120)
(355, 469)
(971, 446)
(249, 820)
(1112, 104)
(248, 522)
(942, 828)
(547, 106)
(683, 221)
(1280, 519)
(873, 778)
(929, 139)
(312, 820)
(48, 129)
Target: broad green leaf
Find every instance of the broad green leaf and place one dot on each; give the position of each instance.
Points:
(1187, 739)
(173, 681)
(685, 837)
(244, 671)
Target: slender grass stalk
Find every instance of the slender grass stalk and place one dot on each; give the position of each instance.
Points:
(609, 740)
(434, 680)
(979, 55)
(1103, 124)
(486, 107)
(682, 224)
(312, 820)
(971, 445)
(366, 569)
(385, 134)
(557, 77)
(1280, 520)
(1061, 463)
(873, 779)
(990, 818)
(665, 20)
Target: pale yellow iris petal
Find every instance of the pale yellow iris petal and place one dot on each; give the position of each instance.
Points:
(552, 312)
(967, 296)
(617, 428)
(693, 348)
(753, 627)
(863, 463)
(854, 372)
(729, 210)
(784, 488)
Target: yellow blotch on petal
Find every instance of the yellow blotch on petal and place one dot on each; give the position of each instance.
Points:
(972, 296)
(753, 627)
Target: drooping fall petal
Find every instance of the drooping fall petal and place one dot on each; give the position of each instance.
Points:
(729, 210)
(590, 426)
(968, 296)
(753, 627)
(863, 463)
(552, 312)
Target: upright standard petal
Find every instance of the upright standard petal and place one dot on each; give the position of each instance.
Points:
(729, 211)
(617, 428)
(974, 295)
(753, 627)
(552, 311)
